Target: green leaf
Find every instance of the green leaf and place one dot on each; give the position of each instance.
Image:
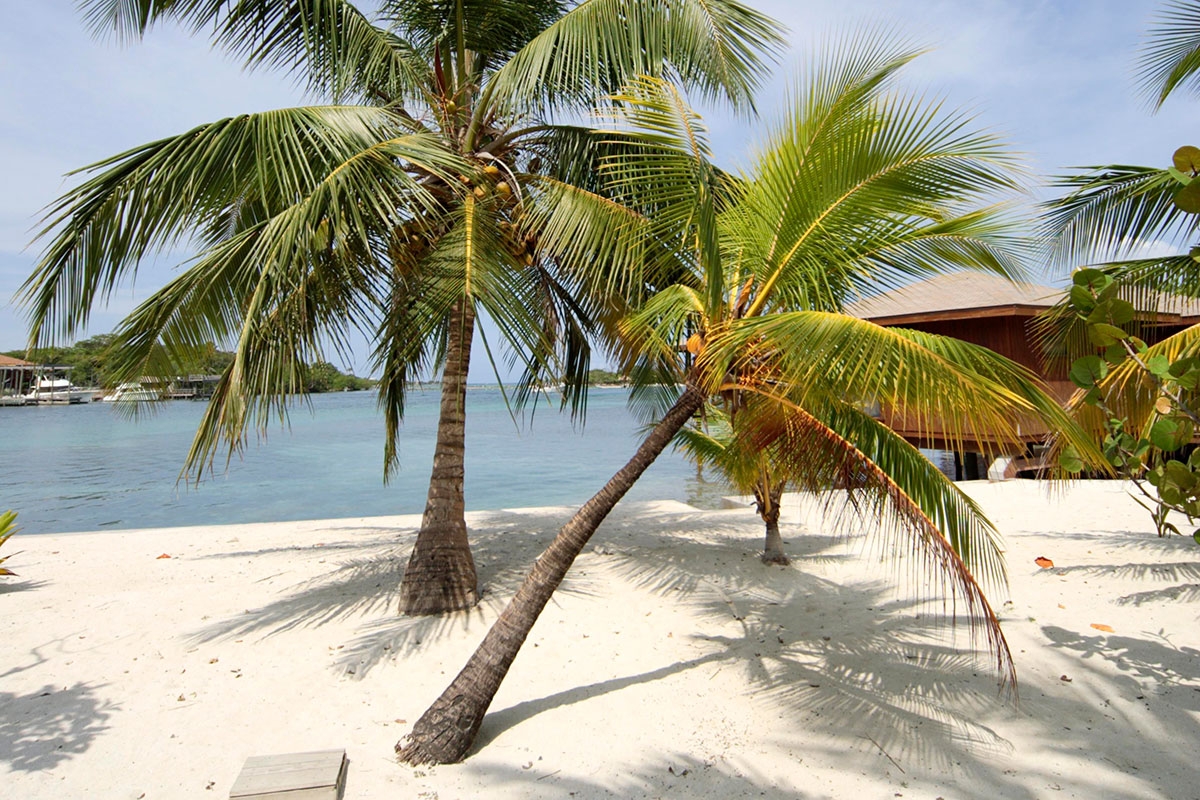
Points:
(1187, 159)
(1120, 312)
(1187, 199)
(1070, 461)
(1104, 335)
(1088, 277)
(1082, 299)
(1159, 366)
(1196, 535)
(1164, 435)
(1179, 475)
(1115, 354)
(1086, 372)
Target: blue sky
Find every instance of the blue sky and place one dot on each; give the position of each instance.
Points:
(1054, 76)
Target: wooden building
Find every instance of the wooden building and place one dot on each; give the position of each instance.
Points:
(991, 311)
(16, 379)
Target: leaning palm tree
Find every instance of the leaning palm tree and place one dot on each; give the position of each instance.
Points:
(856, 189)
(442, 184)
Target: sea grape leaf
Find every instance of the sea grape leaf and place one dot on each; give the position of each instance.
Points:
(1070, 460)
(1105, 335)
(1187, 159)
(1086, 372)
(1164, 434)
(1187, 199)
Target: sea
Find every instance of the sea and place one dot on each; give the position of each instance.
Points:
(89, 467)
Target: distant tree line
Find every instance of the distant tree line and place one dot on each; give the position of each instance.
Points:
(603, 376)
(87, 364)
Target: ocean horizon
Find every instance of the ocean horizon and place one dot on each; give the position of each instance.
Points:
(88, 467)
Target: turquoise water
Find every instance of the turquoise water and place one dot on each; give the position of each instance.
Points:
(83, 468)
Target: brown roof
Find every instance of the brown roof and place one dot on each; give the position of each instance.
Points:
(9, 361)
(953, 294)
(967, 295)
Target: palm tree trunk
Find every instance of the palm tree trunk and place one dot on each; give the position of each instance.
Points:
(767, 501)
(440, 576)
(445, 732)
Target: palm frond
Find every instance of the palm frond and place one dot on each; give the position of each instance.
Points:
(937, 384)
(345, 164)
(1110, 212)
(328, 45)
(1170, 56)
(854, 166)
(492, 29)
(716, 46)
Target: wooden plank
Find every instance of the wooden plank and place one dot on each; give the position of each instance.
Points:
(319, 775)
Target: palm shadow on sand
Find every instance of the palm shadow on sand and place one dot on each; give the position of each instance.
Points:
(365, 582)
(870, 677)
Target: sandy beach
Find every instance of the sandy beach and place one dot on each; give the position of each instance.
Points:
(672, 663)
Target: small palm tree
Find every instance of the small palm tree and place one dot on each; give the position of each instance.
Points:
(441, 184)
(747, 467)
(856, 189)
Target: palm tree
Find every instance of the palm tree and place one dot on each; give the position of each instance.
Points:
(441, 185)
(745, 465)
(857, 188)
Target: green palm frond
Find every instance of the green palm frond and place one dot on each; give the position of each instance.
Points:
(935, 383)
(493, 29)
(1109, 212)
(329, 45)
(1170, 56)
(341, 161)
(878, 172)
(715, 46)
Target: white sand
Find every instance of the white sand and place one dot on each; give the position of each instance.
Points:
(671, 664)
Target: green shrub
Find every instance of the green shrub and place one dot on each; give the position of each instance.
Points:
(7, 529)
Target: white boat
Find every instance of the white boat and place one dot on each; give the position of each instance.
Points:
(131, 393)
(56, 391)
(12, 399)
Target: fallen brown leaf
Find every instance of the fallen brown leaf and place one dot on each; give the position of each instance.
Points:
(164, 555)
(1043, 562)
(1101, 627)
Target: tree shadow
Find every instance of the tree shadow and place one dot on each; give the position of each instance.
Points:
(1185, 593)
(678, 775)
(40, 730)
(1154, 570)
(1159, 662)
(874, 676)
(367, 582)
(22, 586)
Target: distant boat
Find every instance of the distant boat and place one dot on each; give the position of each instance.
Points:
(55, 391)
(12, 400)
(132, 393)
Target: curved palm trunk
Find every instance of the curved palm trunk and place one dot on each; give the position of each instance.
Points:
(445, 732)
(440, 576)
(766, 500)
